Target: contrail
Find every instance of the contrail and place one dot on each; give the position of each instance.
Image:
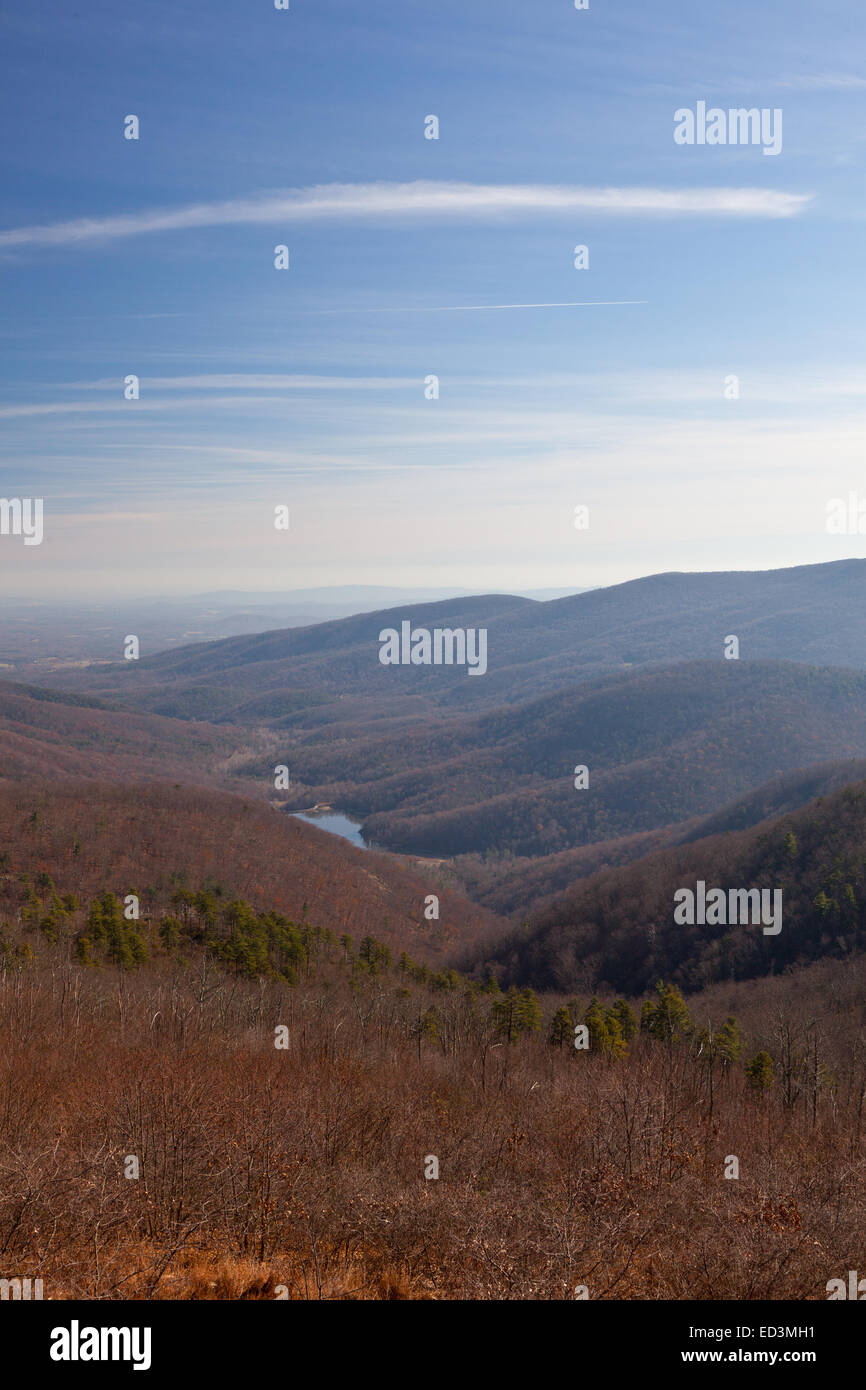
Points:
(458, 308)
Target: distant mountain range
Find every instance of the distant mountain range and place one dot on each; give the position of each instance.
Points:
(811, 614)
(40, 635)
(630, 682)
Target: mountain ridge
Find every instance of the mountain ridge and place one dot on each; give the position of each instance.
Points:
(534, 647)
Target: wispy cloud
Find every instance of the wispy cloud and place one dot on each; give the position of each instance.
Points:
(132, 410)
(252, 381)
(424, 198)
(460, 308)
(822, 82)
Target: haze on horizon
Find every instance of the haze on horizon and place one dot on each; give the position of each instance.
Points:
(348, 598)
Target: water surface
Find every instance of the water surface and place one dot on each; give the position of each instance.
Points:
(337, 824)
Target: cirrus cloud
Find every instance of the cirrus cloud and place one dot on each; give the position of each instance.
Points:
(393, 201)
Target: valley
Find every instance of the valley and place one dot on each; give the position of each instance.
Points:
(430, 913)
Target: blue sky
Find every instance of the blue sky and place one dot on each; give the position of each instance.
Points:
(305, 387)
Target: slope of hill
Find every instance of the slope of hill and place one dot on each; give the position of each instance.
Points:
(92, 837)
(214, 680)
(46, 733)
(810, 613)
(661, 747)
(617, 927)
(302, 1166)
(511, 885)
(39, 634)
(777, 797)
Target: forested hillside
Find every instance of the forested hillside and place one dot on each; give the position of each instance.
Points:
(660, 747)
(811, 613)
(284, 1093)
(616, 928)
(510, 883)
(151, 841)
(49, 733)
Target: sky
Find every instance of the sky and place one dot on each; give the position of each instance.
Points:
(699, 388)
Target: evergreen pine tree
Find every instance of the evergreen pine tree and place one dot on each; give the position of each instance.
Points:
(561, 1028)
(761, 1071)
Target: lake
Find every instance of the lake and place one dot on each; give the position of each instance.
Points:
(338, 825)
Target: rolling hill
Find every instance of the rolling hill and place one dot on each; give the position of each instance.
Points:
(51, 733)
(153, 839)
(617, 929)
(810, 614)
(512, 885)
(661, 746)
